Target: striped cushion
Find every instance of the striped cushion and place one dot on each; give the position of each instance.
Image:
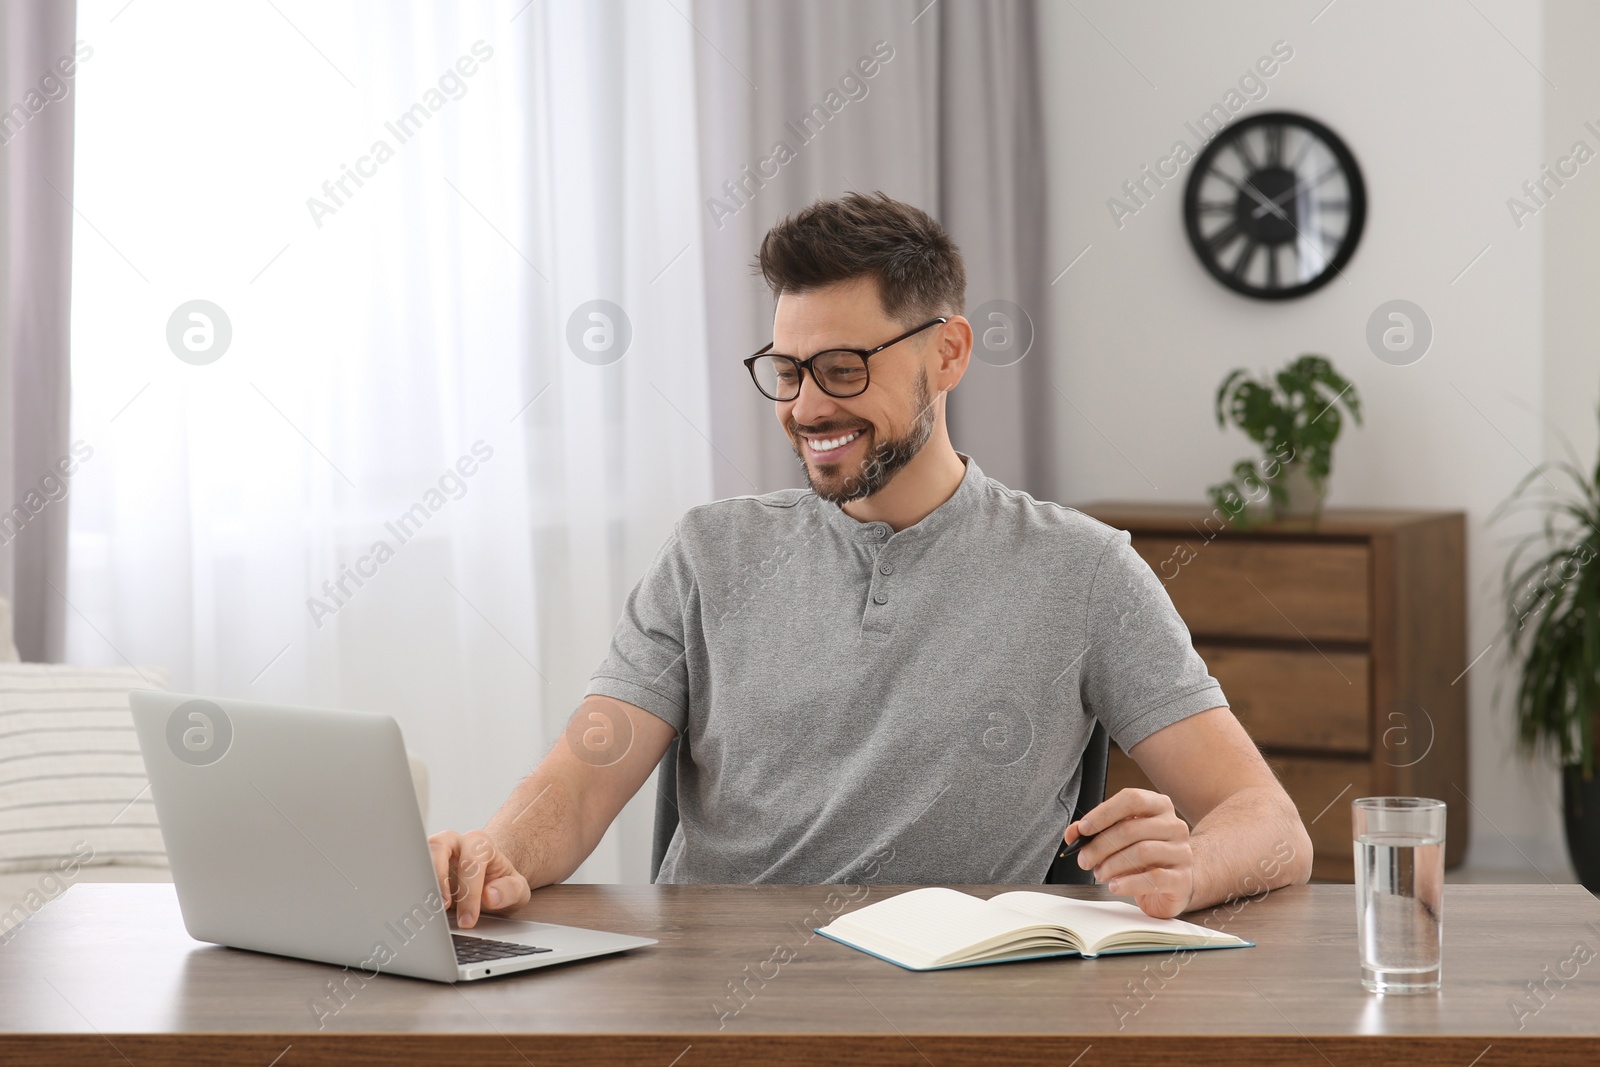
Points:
(72, 782)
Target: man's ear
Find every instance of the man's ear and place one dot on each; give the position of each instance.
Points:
(955, 351)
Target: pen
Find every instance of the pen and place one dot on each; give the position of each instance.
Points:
(1072, 849)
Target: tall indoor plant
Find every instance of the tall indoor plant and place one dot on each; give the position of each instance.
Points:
(1294, 416)
(1552, 591)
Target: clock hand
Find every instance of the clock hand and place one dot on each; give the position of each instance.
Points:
(1278, 200)
(1294, 191)
(1261, 197)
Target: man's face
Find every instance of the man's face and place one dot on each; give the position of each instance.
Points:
(851, 447)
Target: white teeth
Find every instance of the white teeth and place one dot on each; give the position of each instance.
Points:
(833, 442)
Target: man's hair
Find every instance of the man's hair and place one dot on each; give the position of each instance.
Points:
(917, 266)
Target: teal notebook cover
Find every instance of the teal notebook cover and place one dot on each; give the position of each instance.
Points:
(1033, 956)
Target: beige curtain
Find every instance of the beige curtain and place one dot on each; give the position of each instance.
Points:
(38, 59)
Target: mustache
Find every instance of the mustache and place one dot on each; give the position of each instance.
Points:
(796, 428)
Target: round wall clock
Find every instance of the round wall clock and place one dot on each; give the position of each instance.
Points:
(1275, 205)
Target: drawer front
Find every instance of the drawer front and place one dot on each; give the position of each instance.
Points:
(1241, 588)
(1296, 699)
(1320, 788)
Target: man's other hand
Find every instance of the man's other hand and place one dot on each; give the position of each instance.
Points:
(1141, 850)
(474, 876)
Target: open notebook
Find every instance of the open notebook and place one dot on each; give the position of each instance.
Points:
(934, 928)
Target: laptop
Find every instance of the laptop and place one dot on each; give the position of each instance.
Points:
(296, 831)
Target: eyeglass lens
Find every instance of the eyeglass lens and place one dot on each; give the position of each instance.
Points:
(840, 374)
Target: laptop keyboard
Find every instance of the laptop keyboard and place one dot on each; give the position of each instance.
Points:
(481, 949)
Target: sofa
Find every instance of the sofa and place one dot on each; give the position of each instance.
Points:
(74, 803)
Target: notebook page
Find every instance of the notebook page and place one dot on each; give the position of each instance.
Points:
(935, 921)
(1096, 920)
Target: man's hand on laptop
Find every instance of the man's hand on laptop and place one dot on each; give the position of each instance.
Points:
(474, 875)
(1140, 849)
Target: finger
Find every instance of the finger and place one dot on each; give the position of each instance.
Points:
(1141, 856)
(1161, 905)
(1125, 804)
(1117, 822)
(508, 891)
(1128, 832)
(1151, 881)
(476, 852)
(1167, 901)
(442, 849)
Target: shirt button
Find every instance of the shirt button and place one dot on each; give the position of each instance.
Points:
(880, 598)
(886, 568)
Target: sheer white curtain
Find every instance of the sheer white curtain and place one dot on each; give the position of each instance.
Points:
(417, 480)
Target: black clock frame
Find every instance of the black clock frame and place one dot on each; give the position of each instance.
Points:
(1341, 154)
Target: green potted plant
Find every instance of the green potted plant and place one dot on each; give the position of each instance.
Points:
(1295, 418)
(1552, 626)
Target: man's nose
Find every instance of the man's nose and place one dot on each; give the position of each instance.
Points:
(813, 405)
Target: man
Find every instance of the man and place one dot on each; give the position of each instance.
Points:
(901, 665)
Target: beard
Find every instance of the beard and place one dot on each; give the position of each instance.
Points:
(882, 462)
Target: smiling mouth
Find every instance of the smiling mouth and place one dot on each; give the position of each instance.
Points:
(830, 448)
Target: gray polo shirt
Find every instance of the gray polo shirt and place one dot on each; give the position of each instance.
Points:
(917, 702)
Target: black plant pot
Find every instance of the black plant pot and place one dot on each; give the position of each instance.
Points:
(1580, 801)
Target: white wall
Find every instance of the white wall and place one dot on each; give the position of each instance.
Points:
(1443, 108)
(1570, 222)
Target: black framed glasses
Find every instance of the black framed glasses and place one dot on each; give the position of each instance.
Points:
(839, 372)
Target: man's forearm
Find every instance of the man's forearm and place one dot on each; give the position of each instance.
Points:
(540, 828)
(1251, 842)
(557, 815)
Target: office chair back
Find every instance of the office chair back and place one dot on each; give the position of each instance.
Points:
(666, 807)
(1063, 870)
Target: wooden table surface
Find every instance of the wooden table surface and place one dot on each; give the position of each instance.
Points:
(105, 974)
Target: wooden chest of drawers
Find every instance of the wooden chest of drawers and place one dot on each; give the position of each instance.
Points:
(1340, 644)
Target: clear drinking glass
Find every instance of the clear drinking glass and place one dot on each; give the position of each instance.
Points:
(1399, 851)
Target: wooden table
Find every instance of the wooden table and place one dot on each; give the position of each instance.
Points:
(106, 975)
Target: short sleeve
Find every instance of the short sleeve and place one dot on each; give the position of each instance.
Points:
(1140, 671)
(647, 662)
